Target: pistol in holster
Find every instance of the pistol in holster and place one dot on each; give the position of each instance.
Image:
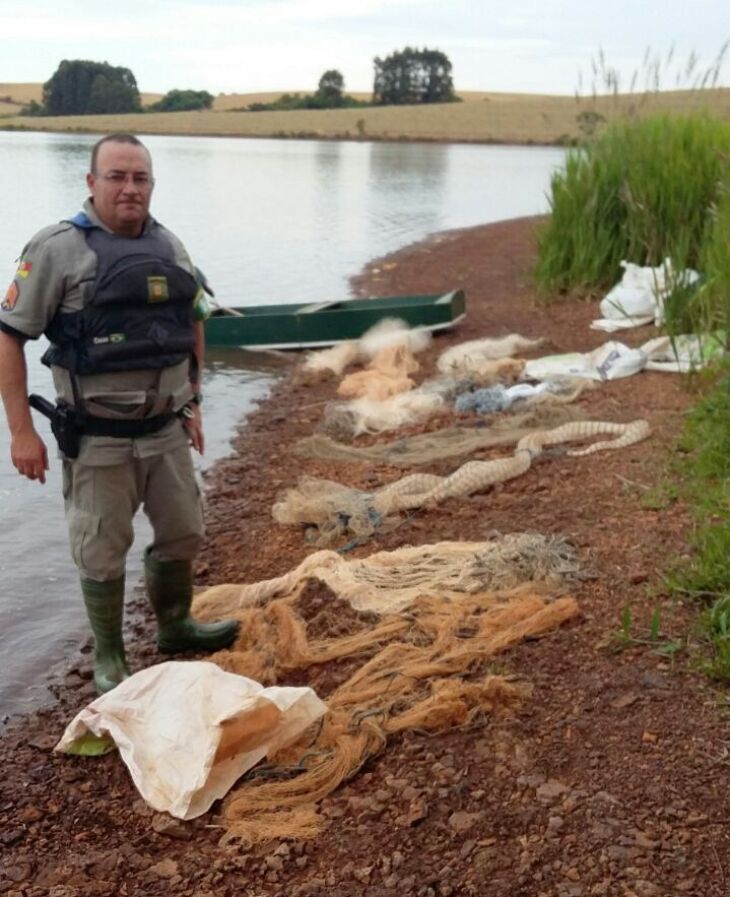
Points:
(63, 424)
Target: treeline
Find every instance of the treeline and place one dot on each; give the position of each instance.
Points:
(330, 94)
(405, 78)
(83, 87)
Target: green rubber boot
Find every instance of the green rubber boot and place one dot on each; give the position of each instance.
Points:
(105, 607)
(170, 590)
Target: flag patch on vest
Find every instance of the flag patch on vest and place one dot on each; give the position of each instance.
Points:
(11, 297)
(24, 269)
(157, 289)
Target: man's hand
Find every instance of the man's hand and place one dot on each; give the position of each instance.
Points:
(29, 454)
(193, 423)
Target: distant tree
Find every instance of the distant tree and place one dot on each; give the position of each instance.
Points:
(330, 89)
(329, 95)
(412, 76)
(81, 87)
(183, 100)
(33, 108)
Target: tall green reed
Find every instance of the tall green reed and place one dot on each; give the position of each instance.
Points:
(644, 190)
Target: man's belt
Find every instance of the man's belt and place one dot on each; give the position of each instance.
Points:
(102, 426)
(68, 429)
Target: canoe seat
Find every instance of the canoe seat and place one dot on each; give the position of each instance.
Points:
(319, 306)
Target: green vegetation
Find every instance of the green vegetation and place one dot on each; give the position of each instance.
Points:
(410, 76)
(704, 473)
(655, 639)
(644, 190)
(183, 101)
(330, 95)
(81, 87)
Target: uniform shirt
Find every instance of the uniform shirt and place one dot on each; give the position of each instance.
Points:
(52, 270)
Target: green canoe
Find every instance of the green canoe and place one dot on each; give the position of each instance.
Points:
(308, 325)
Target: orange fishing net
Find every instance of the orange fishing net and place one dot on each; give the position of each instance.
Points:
(425, 667)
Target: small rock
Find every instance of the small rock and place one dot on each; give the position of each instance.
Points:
(170, 828)
(625, 700)
(165, 869)
(461, 821)
(19, 872)
(30, 814)
(11, 836)
(44, 742)
(274, 862)
(551, 791)
(416, 813)
(363, 874)
(643, 888)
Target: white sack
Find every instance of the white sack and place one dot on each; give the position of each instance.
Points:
(187, 730)
(682, 354)
(610, 361)
(638, 298)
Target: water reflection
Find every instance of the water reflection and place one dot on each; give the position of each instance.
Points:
(415, 176)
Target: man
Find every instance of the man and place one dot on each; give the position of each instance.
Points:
(122, 306)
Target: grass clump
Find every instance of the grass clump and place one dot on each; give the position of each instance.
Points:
(705, 473)
(644, 190)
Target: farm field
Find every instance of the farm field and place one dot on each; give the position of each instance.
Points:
(481, 117)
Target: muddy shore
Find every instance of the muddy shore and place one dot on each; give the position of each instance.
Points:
(610, 780)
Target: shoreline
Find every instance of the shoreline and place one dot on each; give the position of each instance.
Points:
(312, 136)
(606, 778)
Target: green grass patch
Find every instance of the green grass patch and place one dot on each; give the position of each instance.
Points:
(703, 470)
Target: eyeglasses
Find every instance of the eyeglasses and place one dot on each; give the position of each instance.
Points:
(118, 178)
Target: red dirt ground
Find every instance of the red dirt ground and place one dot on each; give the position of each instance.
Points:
(612, 778)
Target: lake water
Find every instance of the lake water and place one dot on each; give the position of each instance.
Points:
(268, 221)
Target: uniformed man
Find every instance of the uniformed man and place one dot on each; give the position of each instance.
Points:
(122, 305)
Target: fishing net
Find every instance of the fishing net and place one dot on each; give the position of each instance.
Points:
(439, 445)
(424, 668)
(389, 581)
(347, 419)
(334, 510)
(388, 332)
(476, 357)
(385, 376)
(334, 359)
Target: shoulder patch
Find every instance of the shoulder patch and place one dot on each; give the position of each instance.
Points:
(11, 297)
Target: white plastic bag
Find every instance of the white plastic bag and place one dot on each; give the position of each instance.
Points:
(610, 361)
(187, 730)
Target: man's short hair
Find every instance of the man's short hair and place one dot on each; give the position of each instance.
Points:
(115, 138)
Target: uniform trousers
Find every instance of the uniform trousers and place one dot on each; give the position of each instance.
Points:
(106, 485)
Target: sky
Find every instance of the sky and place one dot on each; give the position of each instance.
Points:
(259, 45)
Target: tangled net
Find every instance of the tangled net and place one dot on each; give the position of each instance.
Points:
(335, 509)
(477, 357)
(426, 669)
(385, 376)
(438, 445)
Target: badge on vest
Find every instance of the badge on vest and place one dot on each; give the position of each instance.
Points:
(157, 289)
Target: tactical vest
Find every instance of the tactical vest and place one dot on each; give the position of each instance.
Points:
(136, 315)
